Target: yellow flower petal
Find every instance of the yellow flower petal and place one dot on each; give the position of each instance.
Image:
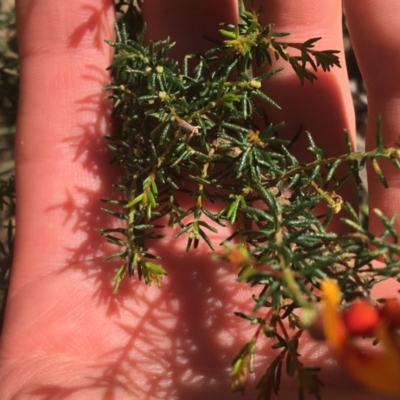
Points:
(332, 323)
(376, 371)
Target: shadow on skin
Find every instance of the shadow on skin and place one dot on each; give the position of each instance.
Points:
(144, 343)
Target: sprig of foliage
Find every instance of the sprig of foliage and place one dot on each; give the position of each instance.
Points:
(190, 128)
(9, 88)
(266, 46)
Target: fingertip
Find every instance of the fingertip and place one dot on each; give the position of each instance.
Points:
(187, 22)
(375, 33)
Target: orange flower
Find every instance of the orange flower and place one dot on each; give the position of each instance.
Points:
(379, 371)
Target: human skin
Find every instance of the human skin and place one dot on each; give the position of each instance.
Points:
(65, 335)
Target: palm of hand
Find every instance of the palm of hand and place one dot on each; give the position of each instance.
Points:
(82, 341)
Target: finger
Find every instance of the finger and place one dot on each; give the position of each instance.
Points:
(186, 24)
(61, 166)
(375, 34)
(323, 108)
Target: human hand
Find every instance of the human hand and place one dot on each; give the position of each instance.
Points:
(65, 334)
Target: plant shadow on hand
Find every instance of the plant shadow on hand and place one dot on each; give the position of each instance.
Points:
(174, 342)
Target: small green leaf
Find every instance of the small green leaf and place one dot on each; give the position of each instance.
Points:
(206, 239)
(290, 365)
(228, 34)
(263, 96)
(151, 198)
(155, 267)
(118, 277)
(378, 134)
(332, 169)
(134, 201)
(379, 173)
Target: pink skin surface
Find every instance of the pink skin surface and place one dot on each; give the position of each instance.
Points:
(66, 336)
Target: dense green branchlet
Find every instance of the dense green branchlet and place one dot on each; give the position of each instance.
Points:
(190, 129)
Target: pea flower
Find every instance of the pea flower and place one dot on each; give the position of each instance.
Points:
(379, 370)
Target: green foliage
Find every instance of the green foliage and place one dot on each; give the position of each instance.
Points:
(9, 87)
(9, 68)
(191, 129)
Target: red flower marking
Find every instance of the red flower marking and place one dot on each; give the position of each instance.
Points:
(361, 318)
